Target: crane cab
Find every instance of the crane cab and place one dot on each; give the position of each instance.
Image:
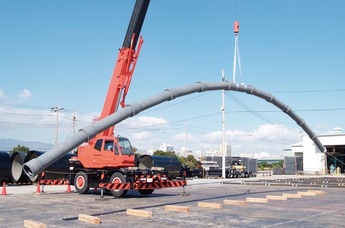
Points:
(107, 153)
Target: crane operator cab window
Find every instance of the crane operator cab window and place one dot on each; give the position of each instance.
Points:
(98, 144)
(109, 145)
(125, 146)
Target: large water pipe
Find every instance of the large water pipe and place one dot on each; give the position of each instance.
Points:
(169, 164)
(36, 166)
(57, 170)
(17, 173)
(5, 167)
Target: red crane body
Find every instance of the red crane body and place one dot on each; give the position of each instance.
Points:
(105, 150)
(106, 161)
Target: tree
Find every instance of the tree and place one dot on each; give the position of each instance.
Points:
(189, 161)
(163, 153)
(20, 148)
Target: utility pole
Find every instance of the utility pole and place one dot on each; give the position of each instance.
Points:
(74, 118)
(223, 124)
(57, 109)
(186, 129)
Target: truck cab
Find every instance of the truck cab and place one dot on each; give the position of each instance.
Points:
(106, 153)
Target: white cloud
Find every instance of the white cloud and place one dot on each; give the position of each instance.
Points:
(144, 121)
(147, 132)
(270, 138)
(24, 94)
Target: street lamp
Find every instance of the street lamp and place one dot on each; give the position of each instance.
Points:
(57, 109)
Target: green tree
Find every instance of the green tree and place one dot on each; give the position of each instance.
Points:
(163, 153)
(262, 165)
(189, 161)
(20, 148)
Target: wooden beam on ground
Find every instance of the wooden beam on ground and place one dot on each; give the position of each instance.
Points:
(89, 219)
(317, 192)
(290, 195)
(142, 213)
(34, 224)
(306, 193)
(210, 205)
(235, 202)
(256, 200)
(273, 197)
(177, 208)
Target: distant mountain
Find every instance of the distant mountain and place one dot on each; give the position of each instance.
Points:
(8, 144)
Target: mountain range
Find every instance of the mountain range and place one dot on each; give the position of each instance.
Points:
(8, 144)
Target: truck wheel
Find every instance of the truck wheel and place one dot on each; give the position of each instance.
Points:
(81, 183)
(145, 192)
(118, 178)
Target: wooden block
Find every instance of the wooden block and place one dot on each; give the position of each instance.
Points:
(235, 202)
(142, 213)
(210, 205)
(89, 219)
(177, 208)
(306, 193)
(289, 195)
(273, 197)
(256, 200)
(33, 224)
(317, 192)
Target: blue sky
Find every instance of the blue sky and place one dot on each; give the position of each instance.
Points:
(64, 52)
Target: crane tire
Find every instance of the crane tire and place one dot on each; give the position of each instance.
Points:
(118, 177)
(81, 183)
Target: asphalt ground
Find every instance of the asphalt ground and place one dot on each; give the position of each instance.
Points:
(58, 208)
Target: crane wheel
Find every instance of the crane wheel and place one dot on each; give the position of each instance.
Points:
(145, 192)
(118, 178)
(81, 183)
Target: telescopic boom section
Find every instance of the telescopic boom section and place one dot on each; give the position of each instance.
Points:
(125, 64)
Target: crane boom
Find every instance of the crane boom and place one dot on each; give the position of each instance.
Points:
(136, 22)
(125, 64)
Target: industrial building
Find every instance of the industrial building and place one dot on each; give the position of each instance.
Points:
(316, 162)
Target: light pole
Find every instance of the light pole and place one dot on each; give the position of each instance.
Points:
(223, 125)
(57, 109)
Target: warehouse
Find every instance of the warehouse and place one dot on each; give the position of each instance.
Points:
(315, 162)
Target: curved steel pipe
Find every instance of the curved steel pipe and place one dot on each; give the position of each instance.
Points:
(57, 170)
(35, 166)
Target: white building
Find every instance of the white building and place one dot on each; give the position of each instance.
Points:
(167, 148)
(316, 162)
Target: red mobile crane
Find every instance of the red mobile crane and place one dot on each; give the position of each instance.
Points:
(107, 161)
